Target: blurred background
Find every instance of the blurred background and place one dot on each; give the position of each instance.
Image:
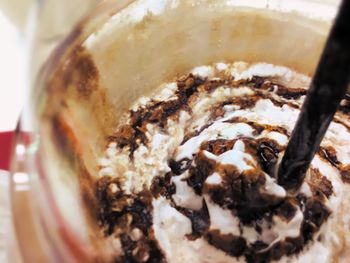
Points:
(13, 15)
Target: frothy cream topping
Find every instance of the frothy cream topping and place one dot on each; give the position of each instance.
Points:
(212, 134)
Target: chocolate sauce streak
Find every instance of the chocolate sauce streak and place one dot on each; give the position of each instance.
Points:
(156, 112)
(129, 218)
(232, 245)
(162, 186)
(200, 220)
(342, 122)
(133, 134)
(328, 153)
(345, 105)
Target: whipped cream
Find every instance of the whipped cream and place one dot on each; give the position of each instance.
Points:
(193, 173)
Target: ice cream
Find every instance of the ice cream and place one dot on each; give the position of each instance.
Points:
(190, 173)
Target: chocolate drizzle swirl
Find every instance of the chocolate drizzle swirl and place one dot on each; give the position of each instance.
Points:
(133, 134)
(242, 193)
(128, 218)
(329, 153)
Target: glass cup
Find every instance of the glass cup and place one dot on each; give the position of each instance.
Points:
(86, 73)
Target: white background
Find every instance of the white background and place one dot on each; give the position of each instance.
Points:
(12, 80)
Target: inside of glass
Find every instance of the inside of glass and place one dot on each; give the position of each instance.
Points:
(130, 55)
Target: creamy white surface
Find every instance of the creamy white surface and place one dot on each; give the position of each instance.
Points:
(171, 226)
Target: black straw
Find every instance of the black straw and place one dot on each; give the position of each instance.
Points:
(327, 89)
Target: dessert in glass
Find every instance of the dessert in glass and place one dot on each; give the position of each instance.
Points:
(159, 126)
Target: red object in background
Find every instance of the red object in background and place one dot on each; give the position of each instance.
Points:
(6, 140)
